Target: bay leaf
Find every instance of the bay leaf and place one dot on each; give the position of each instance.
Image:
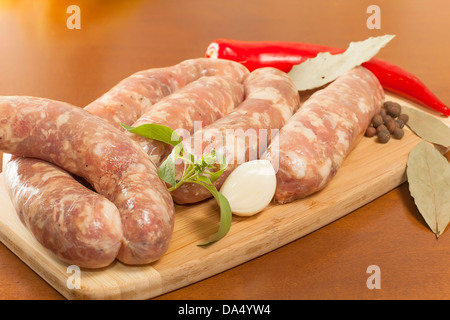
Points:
(326, 67)
(427, 126)
(428, 173)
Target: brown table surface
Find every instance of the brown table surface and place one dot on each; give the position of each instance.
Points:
(40, 56)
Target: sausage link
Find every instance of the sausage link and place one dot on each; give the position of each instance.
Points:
(198, 104)
(108, 159)
(271, 99)
(86, 233)
(134, 95)
(122, 104)
(311, 147)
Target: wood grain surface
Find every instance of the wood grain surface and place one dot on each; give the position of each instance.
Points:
(40, 56)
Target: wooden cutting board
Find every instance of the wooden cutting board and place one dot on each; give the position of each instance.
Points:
(371, 170)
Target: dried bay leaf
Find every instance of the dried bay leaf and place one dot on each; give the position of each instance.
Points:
(428, 173)
(326, 67)
(427, 126)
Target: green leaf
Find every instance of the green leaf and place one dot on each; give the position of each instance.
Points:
(206, 182)
(166, 170)
(156, 132)
(222, 167)
(194, 170)
(207, 160)
(225, 211)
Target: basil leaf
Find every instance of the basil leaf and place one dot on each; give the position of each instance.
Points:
(166, 170)
(216, 174)
(156, 132)
(225, 211)
(194, 171)
(208, 160)
(222, 167)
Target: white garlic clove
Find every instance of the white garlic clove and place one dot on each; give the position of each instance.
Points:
(5, 159)
(250, 187)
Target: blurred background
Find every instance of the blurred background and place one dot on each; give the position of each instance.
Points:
(40, 56)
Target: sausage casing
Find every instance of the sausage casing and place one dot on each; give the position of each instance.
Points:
(124, 103)
(81, 228)
(198, 104)
(128, 100)
(244, 134)
(311, 147)
(113, 164)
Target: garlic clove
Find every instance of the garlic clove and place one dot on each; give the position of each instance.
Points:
(5, 159)
(250, 187)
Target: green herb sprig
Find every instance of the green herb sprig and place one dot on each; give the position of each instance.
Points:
(202, 171)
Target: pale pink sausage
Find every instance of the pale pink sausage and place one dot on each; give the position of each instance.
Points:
(198, 104)
(101, 153)
(81, 227)
(134, 95)
(122, 104)
(271, 99)
(311, 147)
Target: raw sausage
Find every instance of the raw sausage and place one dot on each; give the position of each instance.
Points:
(271, 99)
(122, 104)
(86, 233)
(134, 95)
(113, 164)
(196, 105)
(310, 148)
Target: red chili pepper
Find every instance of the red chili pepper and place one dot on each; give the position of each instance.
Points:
(284, 55)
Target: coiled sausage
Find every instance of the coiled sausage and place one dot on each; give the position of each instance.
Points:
(81, 228)
(101, 153)
(122, 104)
